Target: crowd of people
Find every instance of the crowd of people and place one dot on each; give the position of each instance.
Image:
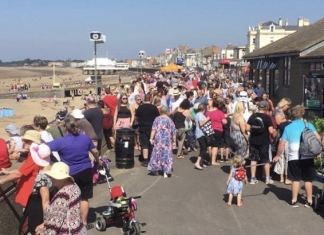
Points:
(219, 113)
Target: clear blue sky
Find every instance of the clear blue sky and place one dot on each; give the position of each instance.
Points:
(59, 29)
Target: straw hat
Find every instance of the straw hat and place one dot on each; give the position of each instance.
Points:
(40, 154)
(175, 92)
(32, 135)
(59, 171)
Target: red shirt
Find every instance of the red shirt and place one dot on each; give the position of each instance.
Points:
(29, 171)
(194, 83)
(216, 118)
(4, 155)
(111, 102)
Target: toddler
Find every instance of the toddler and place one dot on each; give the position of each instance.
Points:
(235, 181)
(15, 141)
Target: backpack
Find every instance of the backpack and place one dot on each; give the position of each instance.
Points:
(310, 146)
(257, 127)
(240, 173)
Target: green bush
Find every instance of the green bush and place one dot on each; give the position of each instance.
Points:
(319, 125)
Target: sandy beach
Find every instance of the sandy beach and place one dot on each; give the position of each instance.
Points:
(25, 110)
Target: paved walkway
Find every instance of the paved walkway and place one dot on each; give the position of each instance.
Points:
(193, 202)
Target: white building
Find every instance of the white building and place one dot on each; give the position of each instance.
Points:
(268, 32)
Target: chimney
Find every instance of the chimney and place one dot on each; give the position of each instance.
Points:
(286, 23)
(300, 22)
(280, 21)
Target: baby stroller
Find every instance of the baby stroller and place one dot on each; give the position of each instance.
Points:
(120, 209)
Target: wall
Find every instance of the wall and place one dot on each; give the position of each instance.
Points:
(36, 94)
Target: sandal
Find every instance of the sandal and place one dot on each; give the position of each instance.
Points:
(180, 157)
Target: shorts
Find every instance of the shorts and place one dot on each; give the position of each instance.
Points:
(226, 140)
(301, 170)
(203, 146)
(217, 140)
(144, 136)
(84, 180)
(260, 153)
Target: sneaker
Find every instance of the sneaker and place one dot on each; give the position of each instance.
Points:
(144, 163)
(226, 160)
(204, 165)
(221, 160)
(270, 181)
(309, 204)
(197, 166)
(293, 204)
(165, 175)
(254, 181)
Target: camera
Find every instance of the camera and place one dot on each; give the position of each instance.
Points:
(95, 36)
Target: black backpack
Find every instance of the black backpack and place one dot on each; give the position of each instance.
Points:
(257, 127)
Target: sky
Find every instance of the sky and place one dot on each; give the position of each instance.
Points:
(60, 29)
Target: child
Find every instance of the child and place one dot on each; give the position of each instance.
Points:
(15, 141)
(235, 182)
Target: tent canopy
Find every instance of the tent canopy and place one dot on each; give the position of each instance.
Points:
(172, 67)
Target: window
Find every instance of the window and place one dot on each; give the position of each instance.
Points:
(271, 28)
(286, 81)
(271, 39)
(313, 93)
(253, 40)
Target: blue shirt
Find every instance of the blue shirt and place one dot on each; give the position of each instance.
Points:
(259, 91)
(292, 134)
(199, 117)
(74, 151)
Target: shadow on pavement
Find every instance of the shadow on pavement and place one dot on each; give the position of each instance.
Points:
(93, 212)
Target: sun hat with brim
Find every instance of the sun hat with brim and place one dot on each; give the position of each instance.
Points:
(77, 113)
(59, 171)
(12, 129)
(32, 135)
(175, 92)
(40, 154)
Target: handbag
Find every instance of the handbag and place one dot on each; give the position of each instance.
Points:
(207, 128)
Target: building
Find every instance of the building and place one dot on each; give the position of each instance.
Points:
(103, 66)
(269, 32)
(293, 67)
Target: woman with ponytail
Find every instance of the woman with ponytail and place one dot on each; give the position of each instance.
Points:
(74, 150)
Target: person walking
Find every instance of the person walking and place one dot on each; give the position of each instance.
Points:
(94, 115)
(145, 115)
(163, 139)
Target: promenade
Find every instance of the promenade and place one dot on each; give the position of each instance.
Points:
(193, 202)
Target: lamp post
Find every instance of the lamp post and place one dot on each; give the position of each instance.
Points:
(96, 37)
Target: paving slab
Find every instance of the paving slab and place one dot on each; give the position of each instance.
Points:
(193, 202)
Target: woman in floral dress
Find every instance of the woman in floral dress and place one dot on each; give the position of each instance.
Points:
(163, 132)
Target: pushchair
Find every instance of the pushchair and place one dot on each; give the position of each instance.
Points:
(120, 209)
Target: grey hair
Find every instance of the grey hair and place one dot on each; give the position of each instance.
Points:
(164, 110)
